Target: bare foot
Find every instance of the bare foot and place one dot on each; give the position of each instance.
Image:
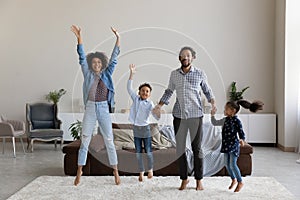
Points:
(77, 179)
(117, 177)
(150, 174)
(239, 187)
(141, 176)
(183, 184)
(233, 182)
(199, 185)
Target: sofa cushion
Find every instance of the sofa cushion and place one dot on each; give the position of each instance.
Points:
(50, 133)
(123, 139)
(38, 124)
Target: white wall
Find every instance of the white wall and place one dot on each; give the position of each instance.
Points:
(292, 71)
(279, 80)
(234, 41)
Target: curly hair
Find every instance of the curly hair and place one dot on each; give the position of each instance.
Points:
(190, 49)
(253, 107)
(100, 55)
(145, 84)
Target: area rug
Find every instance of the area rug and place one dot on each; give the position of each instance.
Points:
(102, 187)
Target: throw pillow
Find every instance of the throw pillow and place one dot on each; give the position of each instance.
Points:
(123, 138)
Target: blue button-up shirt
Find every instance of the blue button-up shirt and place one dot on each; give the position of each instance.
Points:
(188, 92)
(140, 109)
(105, 76)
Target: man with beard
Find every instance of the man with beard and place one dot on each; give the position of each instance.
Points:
(187, 112)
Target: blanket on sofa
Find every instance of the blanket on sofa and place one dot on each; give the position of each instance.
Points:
(211, 145)
(164, 137)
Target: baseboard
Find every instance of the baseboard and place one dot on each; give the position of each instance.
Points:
(286, 149)
(263, 144)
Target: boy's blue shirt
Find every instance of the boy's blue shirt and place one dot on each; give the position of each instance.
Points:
(105, 76)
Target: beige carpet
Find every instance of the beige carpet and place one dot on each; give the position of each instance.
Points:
(97, 187)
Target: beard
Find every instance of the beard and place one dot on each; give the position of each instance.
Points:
(185, 63)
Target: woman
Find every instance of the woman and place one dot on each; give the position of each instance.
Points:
(98, 97)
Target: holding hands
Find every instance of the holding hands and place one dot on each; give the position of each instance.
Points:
(157, 110)
(213, 111)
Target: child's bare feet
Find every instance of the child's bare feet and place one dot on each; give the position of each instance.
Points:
(183, 184)
(78, 175)
(141, 176)
(150, 174)
(117, 177)
(239, 187)
(199, 185)
(233, 182)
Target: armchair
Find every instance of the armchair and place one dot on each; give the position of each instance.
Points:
(42, 124)
(12, 129)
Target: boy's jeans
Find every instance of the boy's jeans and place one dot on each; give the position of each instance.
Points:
(138, 142)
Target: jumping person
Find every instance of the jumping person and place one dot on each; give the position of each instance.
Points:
(139, 115)
(98, 97)
(232, 136)
(188, 81)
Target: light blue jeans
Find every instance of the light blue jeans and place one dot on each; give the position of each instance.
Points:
(231, 166)
(97, 111)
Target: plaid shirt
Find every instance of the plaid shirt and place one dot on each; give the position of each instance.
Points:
(188, 96)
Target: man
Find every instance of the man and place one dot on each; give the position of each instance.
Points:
(187, 112)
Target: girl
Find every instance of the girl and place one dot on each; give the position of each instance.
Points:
(98, 97)
(230, 141)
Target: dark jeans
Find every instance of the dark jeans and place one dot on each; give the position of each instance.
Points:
(181, 128)
(138, 142)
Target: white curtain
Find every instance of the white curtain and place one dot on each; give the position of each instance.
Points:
(298, 125)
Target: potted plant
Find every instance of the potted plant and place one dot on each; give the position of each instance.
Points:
(76, 130)
(234, 94)
(54, 96)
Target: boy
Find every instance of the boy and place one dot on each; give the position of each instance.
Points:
(139, 117)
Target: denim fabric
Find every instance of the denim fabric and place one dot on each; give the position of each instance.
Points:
(231, 166)
(105, 76)
(138, 142)
(97, 111)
